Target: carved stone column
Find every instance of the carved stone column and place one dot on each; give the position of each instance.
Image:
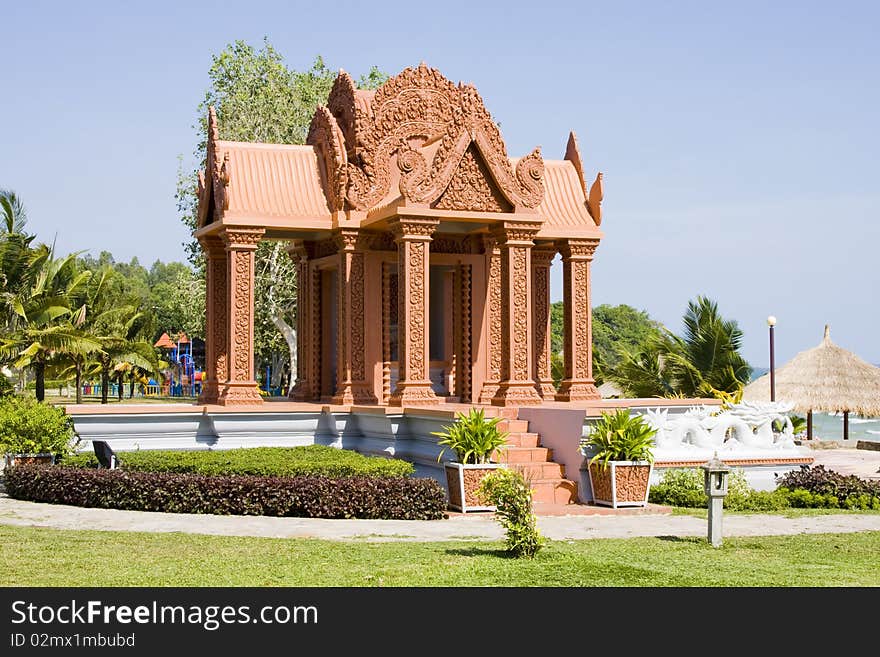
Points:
(462, 331)
(388, 303)
(302, 388)
(240, 388)
(493, 318)
(542, 257)
(517, 385)
(578, 383)
(216, 314)
(351, 376)
(413, 237)
(315, 312)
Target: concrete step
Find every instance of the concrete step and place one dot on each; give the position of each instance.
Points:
(539, 470)
(523, 439)
(554, 491)
(521, 454)
(513, 426)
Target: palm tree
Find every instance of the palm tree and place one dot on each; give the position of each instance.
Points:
(13, 212)
(18, 268)
(641, 373)
(704, 361)
(37, 328)
(35, 346)
(707, 359)
(120, 332)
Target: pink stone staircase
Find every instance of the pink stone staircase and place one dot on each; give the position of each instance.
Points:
(525, 454)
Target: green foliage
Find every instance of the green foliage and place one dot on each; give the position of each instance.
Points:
(620, 328)
(473, 437)
(620, 436)
(13, 212)
(704, 362)
(681, 487)
(557, 327)
(6, 388)
(641, 373)
(170, 296)
(512, 497)
(847, 491)
(616, 329)
(798, 424)
(28, 427)
(66, 314)
(304, 496)
(557, 368)
(265, 461)
(814, 488)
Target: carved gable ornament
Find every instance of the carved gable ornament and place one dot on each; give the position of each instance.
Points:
(214, 180)
(359, 134)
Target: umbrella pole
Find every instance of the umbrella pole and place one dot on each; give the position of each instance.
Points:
(810, 425)
(846, 425)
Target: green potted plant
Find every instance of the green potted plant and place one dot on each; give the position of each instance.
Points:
(33, 432)
(473, 438)
(620, 457)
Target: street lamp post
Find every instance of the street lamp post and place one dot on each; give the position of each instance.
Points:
(771, 322)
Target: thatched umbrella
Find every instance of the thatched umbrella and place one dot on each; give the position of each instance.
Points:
(825, 378)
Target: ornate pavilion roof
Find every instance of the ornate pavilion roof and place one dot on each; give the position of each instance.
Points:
(419, 144)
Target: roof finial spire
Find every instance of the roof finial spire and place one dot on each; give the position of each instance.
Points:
(827, 337)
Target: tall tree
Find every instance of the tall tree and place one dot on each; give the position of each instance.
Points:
(258, 98)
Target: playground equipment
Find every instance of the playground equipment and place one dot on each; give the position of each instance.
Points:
(182, 379)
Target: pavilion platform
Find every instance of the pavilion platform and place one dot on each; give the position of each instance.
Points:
(406, 432)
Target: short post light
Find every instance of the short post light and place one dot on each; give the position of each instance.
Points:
(715, 485)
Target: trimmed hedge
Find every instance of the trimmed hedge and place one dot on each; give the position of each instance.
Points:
(318, 460)
(400, 498)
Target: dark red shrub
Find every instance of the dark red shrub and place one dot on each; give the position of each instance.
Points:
(306, 496)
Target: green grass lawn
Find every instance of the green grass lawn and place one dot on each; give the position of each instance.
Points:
(31, 556)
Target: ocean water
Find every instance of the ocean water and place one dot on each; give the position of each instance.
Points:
(830, 427)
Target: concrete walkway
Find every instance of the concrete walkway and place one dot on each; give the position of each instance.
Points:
(457, 527)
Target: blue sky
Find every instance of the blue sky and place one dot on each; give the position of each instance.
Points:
(739, 141)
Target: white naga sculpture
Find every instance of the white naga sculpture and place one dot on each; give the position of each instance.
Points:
(747, 425)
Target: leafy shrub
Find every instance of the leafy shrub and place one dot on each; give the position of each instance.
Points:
(804, 499)
(683, 487)
(305, 496)
(760, 500)
(512, 497)
(264, 461)
(29, 427)
(828, 482)
(6, 388)
(807, 488)
(473, 437)
(620, 436)
(680, 487)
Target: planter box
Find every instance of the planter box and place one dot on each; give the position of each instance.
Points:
(462, 480)
(11, 459)
(622, 483)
